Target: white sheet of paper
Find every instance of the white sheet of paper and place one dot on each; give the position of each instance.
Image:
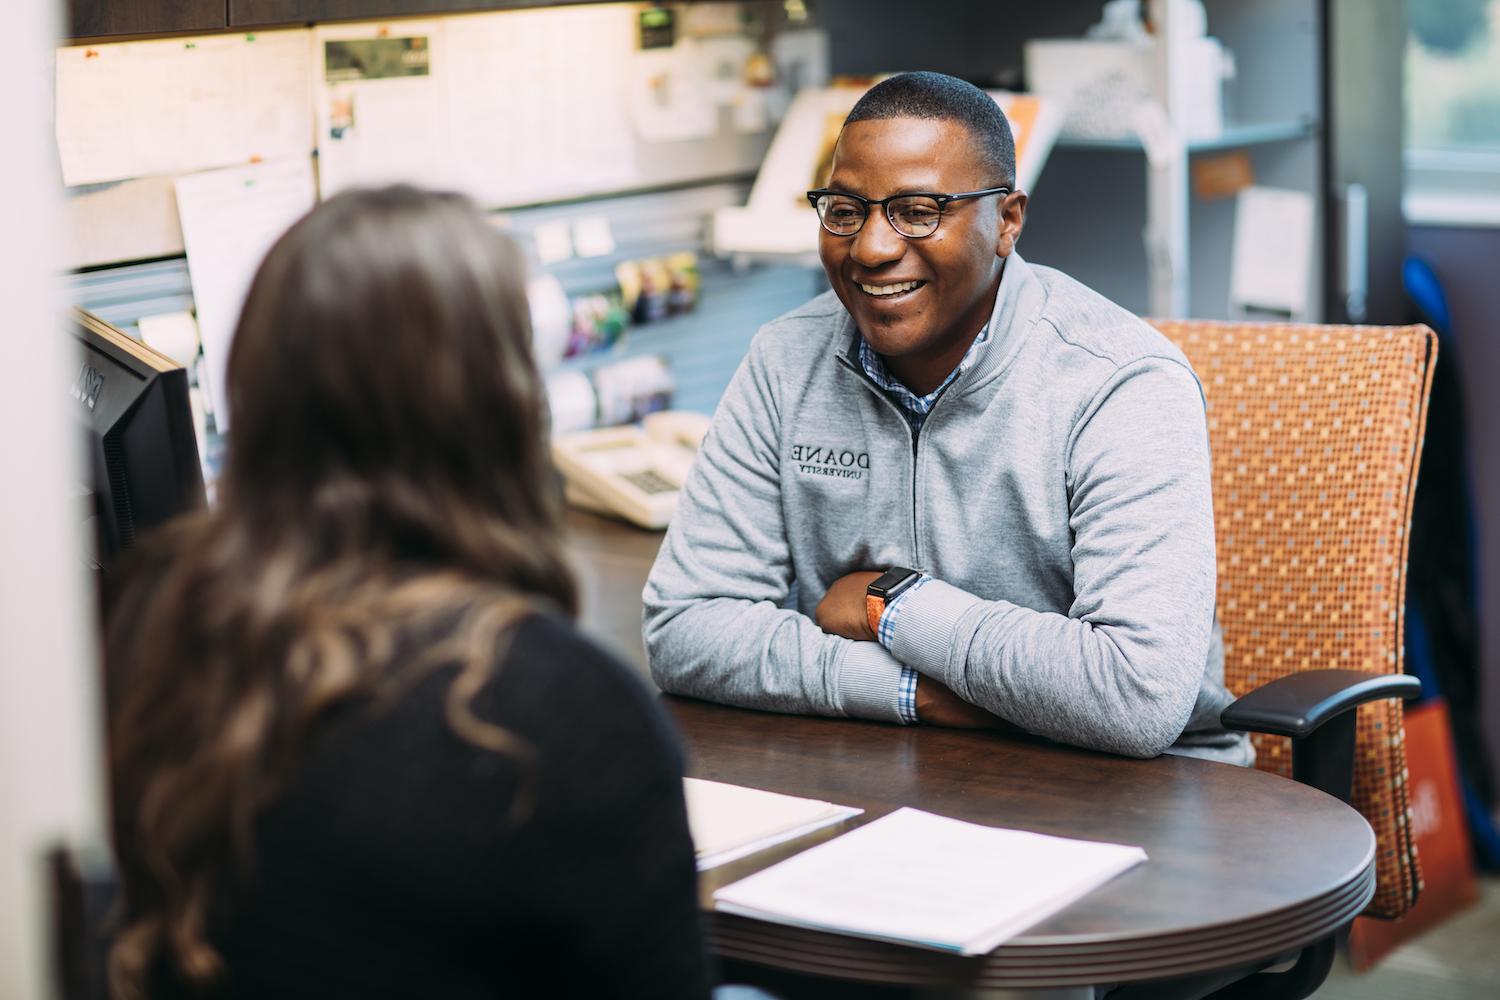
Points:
(382, 131)
(1271, 264)
(175, 334)
(670, 93)
(730, 822)
(968, 888)
(230, 218)
(130, 220)
(536, 106)
(592, 236)
(750, 111)
(134, 109)
(554, 241)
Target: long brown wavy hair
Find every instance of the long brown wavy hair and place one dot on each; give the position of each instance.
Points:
(386, 473)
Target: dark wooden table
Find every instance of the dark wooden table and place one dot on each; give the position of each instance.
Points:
(1244, 866)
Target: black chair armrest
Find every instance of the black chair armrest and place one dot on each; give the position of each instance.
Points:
(1313, 708)
(1297, 704)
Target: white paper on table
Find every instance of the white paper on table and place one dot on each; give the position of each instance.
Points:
(135, 109)
(230, 218)
(729, 822)
(382, 130)
(968, 889)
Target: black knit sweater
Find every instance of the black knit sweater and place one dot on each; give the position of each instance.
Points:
(388, 868)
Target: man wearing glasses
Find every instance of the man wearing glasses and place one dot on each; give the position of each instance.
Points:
(957, 489)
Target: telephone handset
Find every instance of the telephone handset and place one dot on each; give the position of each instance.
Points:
(631, 472)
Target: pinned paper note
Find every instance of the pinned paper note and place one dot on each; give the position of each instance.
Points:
(133, 109)
(1271, 264)
(230, 218)
(669, 95)
(554, 242)
(750, 111)
(592, 237)
(381, 105)
(174, 334)
(535, 105)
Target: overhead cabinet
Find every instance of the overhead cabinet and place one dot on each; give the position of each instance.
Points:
(98, 18)
(250, 13)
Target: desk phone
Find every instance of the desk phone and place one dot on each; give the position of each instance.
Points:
(634, 472)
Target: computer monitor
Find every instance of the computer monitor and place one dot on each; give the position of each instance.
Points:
(143, 454)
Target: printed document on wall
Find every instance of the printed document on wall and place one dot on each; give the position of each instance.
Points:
(380, 102)
(230, 218)
(671, 93)
(137, 109)
(536, 106)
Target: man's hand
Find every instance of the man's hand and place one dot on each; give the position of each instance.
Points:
(842, 609)
(842, 612)
(937, 705)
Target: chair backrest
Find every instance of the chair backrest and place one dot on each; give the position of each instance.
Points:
(1316, 434)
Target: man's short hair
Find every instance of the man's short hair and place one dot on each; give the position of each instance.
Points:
(946, 98)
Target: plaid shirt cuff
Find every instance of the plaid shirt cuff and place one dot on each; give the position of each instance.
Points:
(906, 692)
(887, 631)
(906, 696)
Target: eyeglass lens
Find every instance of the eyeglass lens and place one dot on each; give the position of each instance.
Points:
(910, 215)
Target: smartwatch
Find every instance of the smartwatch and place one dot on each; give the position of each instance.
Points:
(884, 589)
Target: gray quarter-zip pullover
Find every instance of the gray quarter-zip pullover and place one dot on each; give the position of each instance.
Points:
(1058, 493)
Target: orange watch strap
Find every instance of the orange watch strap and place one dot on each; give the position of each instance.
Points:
(874, 608)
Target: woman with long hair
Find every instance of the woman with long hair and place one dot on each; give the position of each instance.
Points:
(357, 747)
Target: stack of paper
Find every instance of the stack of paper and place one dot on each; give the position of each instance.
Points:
(920, 879)
(729, 822)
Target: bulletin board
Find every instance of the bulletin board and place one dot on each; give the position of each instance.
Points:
(512, 108)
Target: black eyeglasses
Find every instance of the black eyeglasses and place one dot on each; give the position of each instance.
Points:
(912, 215)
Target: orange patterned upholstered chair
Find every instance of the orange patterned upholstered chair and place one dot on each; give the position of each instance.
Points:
(1316, 433)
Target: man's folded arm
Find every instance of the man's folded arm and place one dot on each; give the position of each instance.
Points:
(714, 626)
(1121, 671)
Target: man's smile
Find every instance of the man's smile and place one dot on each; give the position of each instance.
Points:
(891, 291)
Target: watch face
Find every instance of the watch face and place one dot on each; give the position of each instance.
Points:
(891, 582)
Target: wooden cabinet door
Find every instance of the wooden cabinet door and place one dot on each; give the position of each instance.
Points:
(246, 13)
(90, 18)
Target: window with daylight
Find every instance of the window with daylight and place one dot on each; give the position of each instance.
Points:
(1453, 111)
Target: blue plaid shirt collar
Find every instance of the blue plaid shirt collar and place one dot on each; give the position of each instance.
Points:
(913, 406)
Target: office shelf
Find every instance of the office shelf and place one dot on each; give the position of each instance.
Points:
(1233, 137)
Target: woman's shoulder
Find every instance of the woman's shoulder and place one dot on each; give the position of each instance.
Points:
(546, 641)
(549, 665)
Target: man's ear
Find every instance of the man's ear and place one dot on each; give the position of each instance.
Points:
(1012, 221)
